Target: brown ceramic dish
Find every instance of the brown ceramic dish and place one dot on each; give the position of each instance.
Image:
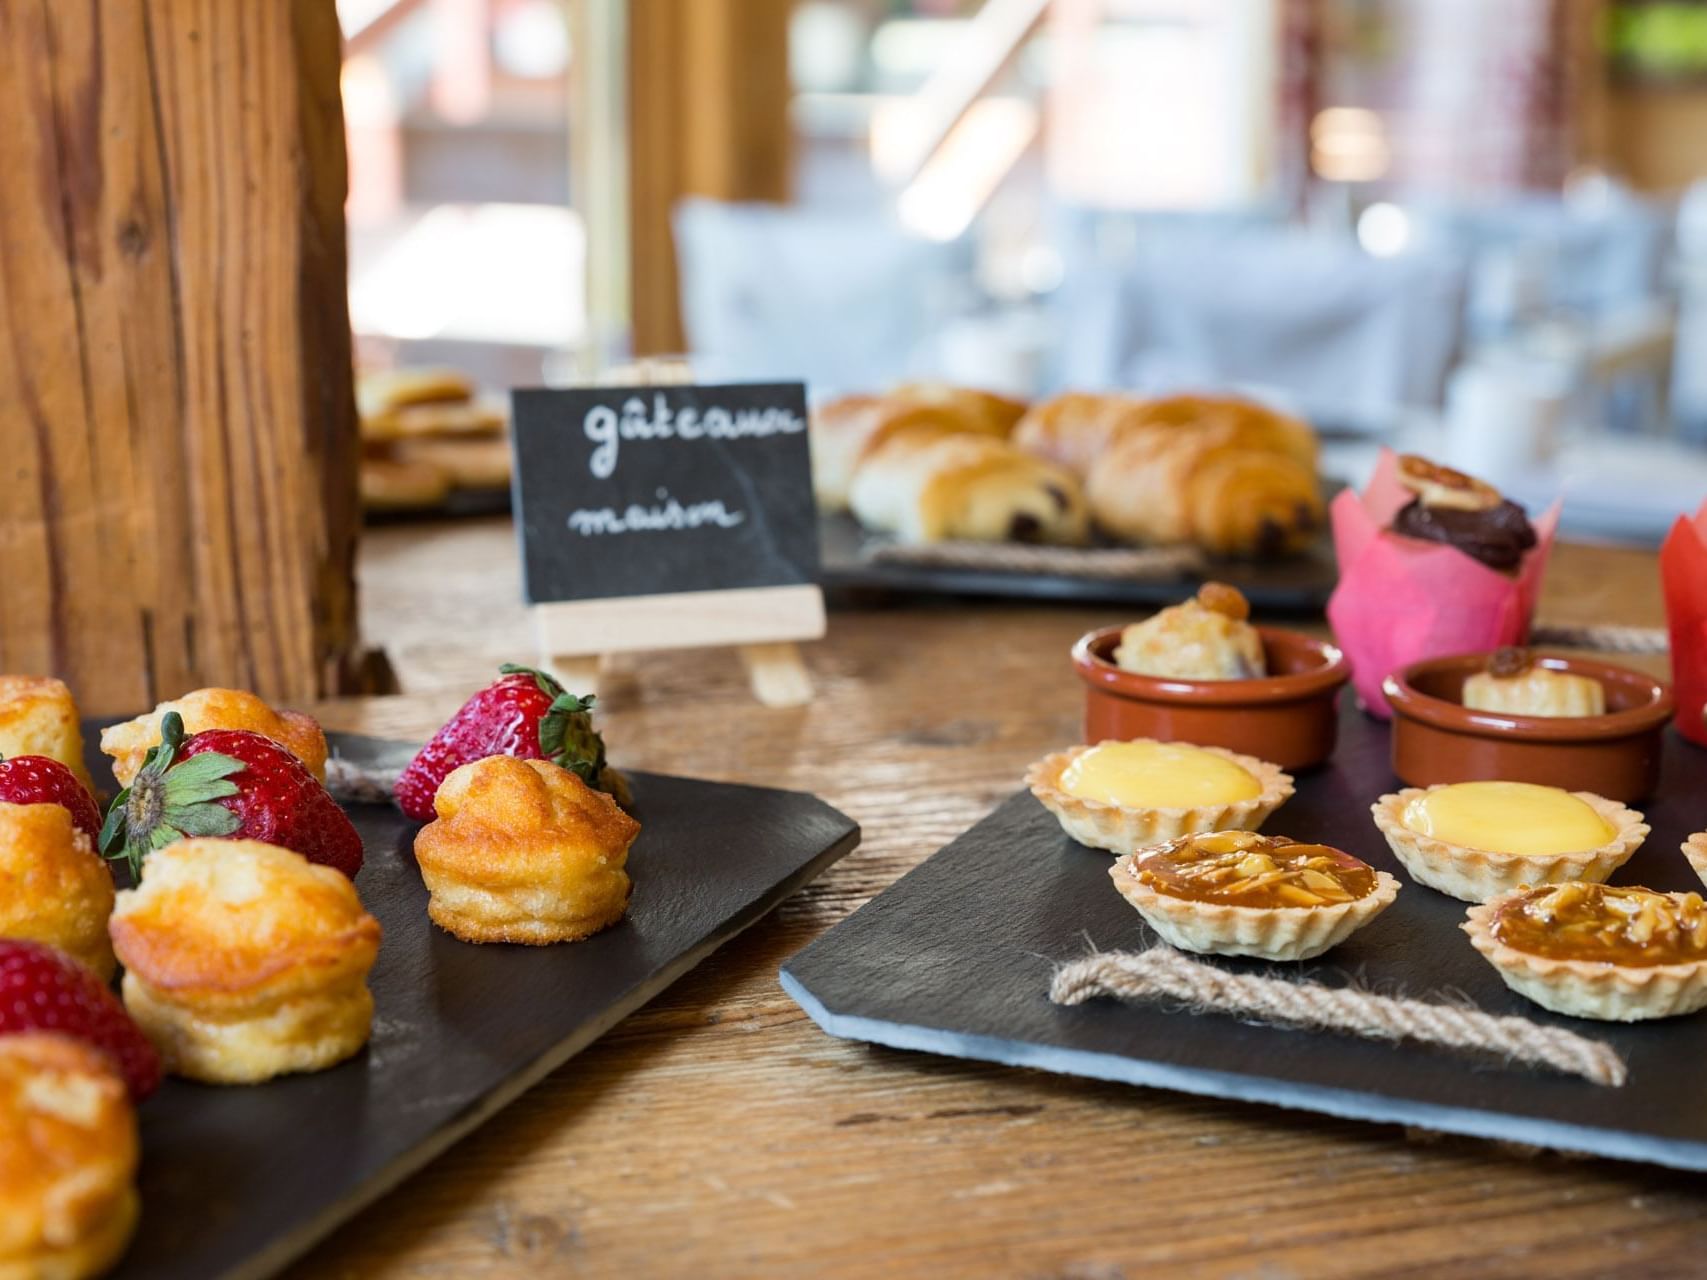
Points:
(1437, 739)
(1287, 717)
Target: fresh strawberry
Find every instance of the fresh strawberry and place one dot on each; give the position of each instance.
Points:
(39, 780)
(524, 713)
(228, 782)
(42, 989)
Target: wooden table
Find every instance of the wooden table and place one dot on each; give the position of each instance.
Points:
(720, 1133)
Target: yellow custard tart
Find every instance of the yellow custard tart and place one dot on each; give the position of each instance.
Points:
(1476, 840)
(1695, 849)
(1620, 954)
(1237, 893)
(1122, 796)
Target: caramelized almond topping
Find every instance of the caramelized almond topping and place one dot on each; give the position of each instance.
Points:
(1442, 487)
(1597, 922)
(1242, 868)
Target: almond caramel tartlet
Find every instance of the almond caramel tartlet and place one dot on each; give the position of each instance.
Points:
(1597, 951)
(1236, 893)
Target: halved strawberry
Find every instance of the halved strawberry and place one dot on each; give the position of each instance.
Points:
(39, 780)
(42, 989)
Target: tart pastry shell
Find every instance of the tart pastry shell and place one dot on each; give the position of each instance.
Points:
(1695, 849)
(1477, 875)
(1267, 933)
(1120, 829)
(1589, 989)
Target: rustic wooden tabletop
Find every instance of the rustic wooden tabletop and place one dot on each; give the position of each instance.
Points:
(719, 1133)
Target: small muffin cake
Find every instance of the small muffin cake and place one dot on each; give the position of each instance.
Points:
(1695, 849)
(68, 1156)
(39, 718)
(1236, 893)
(129, 743)
(54, 887)
(524, 851)
(1121, 796)
(1596, 951)
(244, 961)
(1476, 840)
(1207, 638)
(1513, 683)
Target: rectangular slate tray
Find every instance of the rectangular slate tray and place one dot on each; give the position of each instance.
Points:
(1299, 584)
(236, 1182)
(955, 958)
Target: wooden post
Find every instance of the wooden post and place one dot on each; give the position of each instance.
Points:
(708, 93)
(177, 420)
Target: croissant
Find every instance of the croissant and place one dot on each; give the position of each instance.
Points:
(1161, 484)
(1251, 425)
(929, 485)
(1073, 430)
(845, 431)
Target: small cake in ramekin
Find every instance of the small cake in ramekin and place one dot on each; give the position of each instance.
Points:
(244, 961)
(1236, 893)
(54, 887)
(1121, 796)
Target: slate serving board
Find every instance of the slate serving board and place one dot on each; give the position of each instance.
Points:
(236, 1182)
(955, 959)
(1299, 584)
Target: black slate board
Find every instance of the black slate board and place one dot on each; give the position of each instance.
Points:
(1299, 584)
(955, 959)
(236, 1182)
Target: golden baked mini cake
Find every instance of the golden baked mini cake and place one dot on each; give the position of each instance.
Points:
(1513, 683)
(68, 1156)
(1121, 796)
(1206, 638)
(1695, 849)
(1597, 951)
(244, 961)
(54, 887)
(524, 851)
(129, 743)
(1236, 893)
(38, 717)
(1476, 840)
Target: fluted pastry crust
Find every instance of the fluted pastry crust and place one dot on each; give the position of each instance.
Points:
(1695, 849)
(129, 743)
(54, 887)
(1121, 829)
(244, 961)
(1269, 933)
(68, 1158)
(1477, 875)
(38, 717)
(523, 851)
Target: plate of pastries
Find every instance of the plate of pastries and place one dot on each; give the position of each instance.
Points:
(252, 974)
(1126, 495)
(431, 444)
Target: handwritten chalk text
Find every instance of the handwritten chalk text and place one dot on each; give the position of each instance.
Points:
(666, 516)
(608, 429)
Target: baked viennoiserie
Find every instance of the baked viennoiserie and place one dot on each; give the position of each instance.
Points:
(129, 743)
(38, 717)
(524, 851)
(1463, 512)
(470, 463)
(1513, 683)
(1206, 638)
(1075, 428)
(54, 887)
(456, 420)
(68, 1157)
(848, 430)
(1246, 423)
(244, 961)
(1620, 954)
(1236, 893)
(1122, 796)
(925, 486)
(1477, 840)
(381, 391)
(980, 412)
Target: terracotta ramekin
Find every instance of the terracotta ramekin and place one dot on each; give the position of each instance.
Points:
(1288, 717)
(1437, 739)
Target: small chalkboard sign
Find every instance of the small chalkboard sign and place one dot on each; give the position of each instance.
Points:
(668, 516)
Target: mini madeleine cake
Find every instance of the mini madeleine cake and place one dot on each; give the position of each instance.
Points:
(1207, 638)
(1476, 840)
(1514, 684)
(54, 887)
(524, 851)
(244, 961)
(38, 717)
(68, 1156)
(129, 743)
(1121, 796)
(1237, 893)
(1597, 951)
(1695, 849)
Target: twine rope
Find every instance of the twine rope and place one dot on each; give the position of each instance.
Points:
(1164, 973)
(352, 783)
(1099, 563)
(1606, 639)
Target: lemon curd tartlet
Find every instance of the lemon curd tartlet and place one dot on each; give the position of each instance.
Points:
(1476, 840)
(1122, 796)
